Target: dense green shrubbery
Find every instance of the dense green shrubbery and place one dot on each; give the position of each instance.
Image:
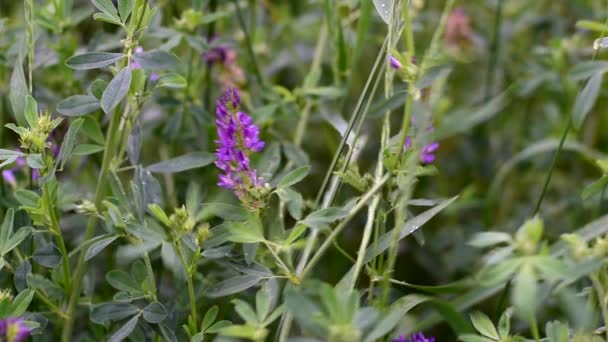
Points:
(323, 170)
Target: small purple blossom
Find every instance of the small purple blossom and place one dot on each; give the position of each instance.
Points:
(238, 137)
(394, 62)
(427, 155)
(418, 337)
(154, 77)
(134, 63)
(13, 330)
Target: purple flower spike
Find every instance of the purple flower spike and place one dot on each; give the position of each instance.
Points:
(418, 337)
(394, 62)
(13, 330)
(238, 137)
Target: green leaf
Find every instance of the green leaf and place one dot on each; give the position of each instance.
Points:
(117, 89)
(586, 99)
(92, 130)
(294, 176)
(107, 18)
(93, 60)
(27, 198)
(504, 324)
(125, 7)
(67, 147)
(22, 302)
(524, 294)
(123, 332)
(16, 239)
(474, 338)
(97, 87)
(35, 161)
(396, 312)
(108, 312)
(484, 325)
(295, 233)
(552, 268)
(557, 331)
(324, 216)
(105, 6)
(78, 105)
(408, 228)
(294, 201)
(157, 60)
(87, 149)
(495, 274)
(218, 326)
(122, 281)
(7, 229)
(244, 331)
(262, 303)
(99, 246)
(383, 7)
(171, 80)
(17, 92)
(233, 285)
(486, 239)
(465, 119)
(155, 313)
(245, 310)
(31, 111)
(210, 317)
(584, 70)
(48, 256)
(327, 92)
(182, 163)
(222, 210)
(594, 187)
(159, 213)
(249, 231)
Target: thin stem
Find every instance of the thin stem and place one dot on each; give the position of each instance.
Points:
(494, 49)
(150, 271)
(109, 150)
(112, 140)
(29, 19)
(534, 328)
(561, 142)
(601, 298)
(190, 283)
(248, 42)
(334, 234)
(67, 278)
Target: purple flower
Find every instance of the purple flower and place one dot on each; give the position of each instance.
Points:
(9, 177)
(394, 62)
(418, 337)
(427, 155)
(154, 77)
(13, 330)
(238, 137)
(134, 63)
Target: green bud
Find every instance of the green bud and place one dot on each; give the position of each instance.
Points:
(180, 221)
(578, 247)
(5, 296)
(203, 233)
(189, 21)
(344, 333)
(529, 235)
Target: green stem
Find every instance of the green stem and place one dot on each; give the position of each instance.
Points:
(109, 150)
(190, 283)
(334, 234)
(67, 278)
(151, 278)
(29, 18)
(248, 42)
(601, 298)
